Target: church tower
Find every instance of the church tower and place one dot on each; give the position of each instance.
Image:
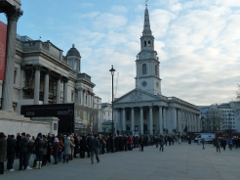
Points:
(147, 63)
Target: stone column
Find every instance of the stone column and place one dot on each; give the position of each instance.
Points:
(132, 119)
(150, 120)
(12, 15)
(141, 120)
(160, 123)
(36, 85)
(174, 123)
(65, 91)
(58, 90)
(79, 96)
(46, 88)
(164, 118)
(123, 119)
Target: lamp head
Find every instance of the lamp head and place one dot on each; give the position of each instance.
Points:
(112, 70)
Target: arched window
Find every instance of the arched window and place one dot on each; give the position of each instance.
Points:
(156, 70)
(149, 43)
(145, 43)
(144, 69)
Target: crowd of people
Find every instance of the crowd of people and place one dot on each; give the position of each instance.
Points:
(63, 148)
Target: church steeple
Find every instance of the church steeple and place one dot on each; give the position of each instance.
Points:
(146, 24)
(147, 39)
(147, 63)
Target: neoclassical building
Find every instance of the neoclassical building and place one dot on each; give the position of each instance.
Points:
(38, 73)
(144, 109)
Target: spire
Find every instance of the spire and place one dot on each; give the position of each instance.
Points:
(146, 25)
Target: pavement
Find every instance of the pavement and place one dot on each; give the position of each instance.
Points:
(179, 161)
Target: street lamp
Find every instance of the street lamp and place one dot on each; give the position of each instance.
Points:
(112, 70)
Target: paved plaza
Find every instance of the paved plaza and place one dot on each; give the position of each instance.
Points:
(180, 161)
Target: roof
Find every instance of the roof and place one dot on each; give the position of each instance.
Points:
(73, 52)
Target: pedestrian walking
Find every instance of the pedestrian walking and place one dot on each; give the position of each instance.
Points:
(93, 145)
(161, 143)
(203, 143)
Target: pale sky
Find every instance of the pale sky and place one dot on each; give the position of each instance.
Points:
(198, 42)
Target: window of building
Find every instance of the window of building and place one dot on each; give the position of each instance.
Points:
(144, 69)
(15, 76)
(72, 96)
(149, 43)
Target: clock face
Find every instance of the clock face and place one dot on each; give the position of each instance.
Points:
(144, 54)
(144, 83)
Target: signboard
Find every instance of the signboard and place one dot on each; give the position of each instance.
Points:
(3, 44)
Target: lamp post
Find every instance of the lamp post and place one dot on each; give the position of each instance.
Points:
(112, 70)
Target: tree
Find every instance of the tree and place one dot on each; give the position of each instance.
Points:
(214, 120)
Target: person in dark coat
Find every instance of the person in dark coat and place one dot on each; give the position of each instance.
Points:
(11, 151)
(40, 145)
(76, 147)
(93, 145)
(3, 151)
(83, 146)
(56, 147)
(23, 159)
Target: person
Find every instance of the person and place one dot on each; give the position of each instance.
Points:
(72, 146)
(39, 147)
(76, 147)
(67, 149)
(203, 143)
(23, 152)
(11, 151)
(161, 143)
(93, 145)
(141, 142)
(30, 149)
(56, 147)
(3, 151)
(218, 145)
(230, 143)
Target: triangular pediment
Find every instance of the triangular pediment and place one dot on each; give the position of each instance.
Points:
(137, 95)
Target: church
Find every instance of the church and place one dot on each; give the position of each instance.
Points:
(144, 110)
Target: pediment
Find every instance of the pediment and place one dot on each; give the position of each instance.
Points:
(136, 96)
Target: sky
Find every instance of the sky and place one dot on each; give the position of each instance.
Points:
(197, 41)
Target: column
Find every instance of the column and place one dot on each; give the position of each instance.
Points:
(150, 120)
(174, 124)
(79, 96)
(132, 119)
(160, 120)
(46, 88)
(123, 119)
(65, 98)
(164, 118)
(115, 119)
(58, 90)
(141, 121)
(36, 85)
(12, 15)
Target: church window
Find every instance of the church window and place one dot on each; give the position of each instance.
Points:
(149, 43)
(156, 71)
(144, 69)
(145, 43)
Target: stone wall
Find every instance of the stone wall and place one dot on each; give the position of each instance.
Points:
(12, 123)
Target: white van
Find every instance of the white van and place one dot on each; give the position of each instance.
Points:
(208, 137)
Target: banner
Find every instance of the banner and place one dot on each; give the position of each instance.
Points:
(3, 43)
